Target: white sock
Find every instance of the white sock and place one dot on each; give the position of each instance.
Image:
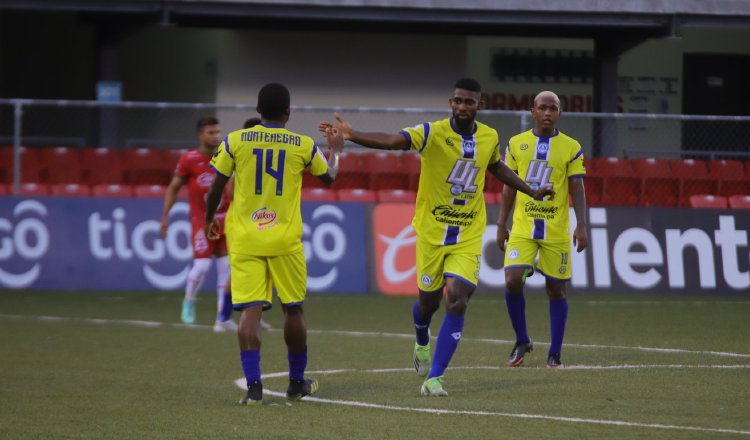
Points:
(196, 276)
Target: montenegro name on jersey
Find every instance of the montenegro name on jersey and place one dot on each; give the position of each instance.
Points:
(450, 202)
(544, 161)
(268, 162)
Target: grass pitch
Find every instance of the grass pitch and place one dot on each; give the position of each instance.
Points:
(118, 365)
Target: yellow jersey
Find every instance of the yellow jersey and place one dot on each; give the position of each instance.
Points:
(450, 202)
(544, 161)
(267, 161)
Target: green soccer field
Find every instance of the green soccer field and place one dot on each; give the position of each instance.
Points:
(119, 365)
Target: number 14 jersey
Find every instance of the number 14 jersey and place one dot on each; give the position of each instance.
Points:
(450, 201)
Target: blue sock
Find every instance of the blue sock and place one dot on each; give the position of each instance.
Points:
(447, 341)
(421, 325)
(297, 364)
(225, 308)
(251, 365)
(517, 312)
(558, 314)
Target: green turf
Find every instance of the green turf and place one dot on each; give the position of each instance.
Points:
(75, 378)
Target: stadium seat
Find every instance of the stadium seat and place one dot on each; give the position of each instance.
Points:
(739, 202)
(694, 179)
(31, 169)
(310, 181)
(610, 167)
(171, 157)
(61, 165)
(412, 164)
(385, 171)
(396, 196)
(113, 190)
(621, 191)
(70, 190)
(102, 165)
(593, 186)
(731, 177)
(34, 189)
(149, 191)
(356, 195)
(645, 167)
(658, 186)
(146, 166)
(352, 172)
(318, 195)
(708, 201)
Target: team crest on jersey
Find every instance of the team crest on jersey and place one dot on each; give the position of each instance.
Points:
(265, 218)
(513, 254)
(426, 280)
(206, 179)
(449, 141)
(542, 147)
(469, 146)
(562, 270)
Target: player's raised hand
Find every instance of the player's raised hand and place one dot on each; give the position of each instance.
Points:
(212, 230)
(502, 237)
(580, 237)
(544, 191)
(335, 139)
(342, 124)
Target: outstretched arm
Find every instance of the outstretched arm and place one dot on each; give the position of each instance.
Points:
(380, 141)
(335, 139)
(212, 202)
(509, 177)
(578, 193)
(169, 199)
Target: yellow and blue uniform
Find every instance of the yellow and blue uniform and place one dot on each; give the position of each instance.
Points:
(266, 221)
(450, 216)
(543, 226)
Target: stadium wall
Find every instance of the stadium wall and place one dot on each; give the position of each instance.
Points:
(354, 248)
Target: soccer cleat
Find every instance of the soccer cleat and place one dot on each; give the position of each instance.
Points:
(264, 325)
(422, 359)
(553, 361)
(188, 311)
(254, 396)
(434, 387)
(519, 351)
(301, 388)
(227, 326)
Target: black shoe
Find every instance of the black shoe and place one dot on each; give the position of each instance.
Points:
(301, 388)
(519, 350)
(254, 395)
(553, 361)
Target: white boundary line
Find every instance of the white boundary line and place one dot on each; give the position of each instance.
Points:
(137, 323)
(242, 384)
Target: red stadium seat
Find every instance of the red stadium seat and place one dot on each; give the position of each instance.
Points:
(731, 177)
(708, 201)
(611, 167)
(694, 179)
(352, 172)
(621, 191)
(70, 190)
(739, 202)
(356, 195)
(61, 165)
(650, 167)
(149, 191)
(396, 196)
(310, 181)
(385, 170)
(171, 157)
(34, 189)
(318, 195)
(31, 167)
(593, 186)
(659, 188)
(146, 166)
(112, 190)
(412, 164)
(102, 165)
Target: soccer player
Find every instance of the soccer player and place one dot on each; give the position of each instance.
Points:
(542, 156)
(193, 170)
(450, 216)
(266, 232)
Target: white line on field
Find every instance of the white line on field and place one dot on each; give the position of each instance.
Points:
(242, 384)
(137, 323)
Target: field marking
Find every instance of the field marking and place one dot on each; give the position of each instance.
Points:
(242, 384)
(138, 323)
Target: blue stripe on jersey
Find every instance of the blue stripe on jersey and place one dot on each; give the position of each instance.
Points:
(426, 135)
(312, 156)
(451, 235)
(577, 176)
(538, 229)
(271, 125)
(217, 171)
(226, 147)
(580, 152)
(461, 202)
(542, 148)
(407, 136)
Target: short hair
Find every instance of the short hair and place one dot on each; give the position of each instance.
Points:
(252, 122)
(273, 101)
(205, 121)
(468, 84)
(553, 95)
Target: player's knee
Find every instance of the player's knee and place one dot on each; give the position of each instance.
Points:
(456, 304)
(200, 268)
(292, 310)
(556, 290)
(513, 284)
(429, 304)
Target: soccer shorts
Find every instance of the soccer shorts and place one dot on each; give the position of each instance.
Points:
(436, 262)
(205, 248)
(554, 256)
(253, 276)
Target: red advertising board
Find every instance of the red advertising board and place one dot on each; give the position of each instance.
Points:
(395, 248)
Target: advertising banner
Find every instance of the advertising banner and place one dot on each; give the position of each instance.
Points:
(114, 244)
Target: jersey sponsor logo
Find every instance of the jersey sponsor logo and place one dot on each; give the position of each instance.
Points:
(463, 176)
(454, 217)
(205, 179)
(28, 239)
(264, 218)
(539, 211)
(426, 280)
(538, 174)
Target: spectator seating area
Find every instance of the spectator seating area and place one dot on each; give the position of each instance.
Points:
(374, 176)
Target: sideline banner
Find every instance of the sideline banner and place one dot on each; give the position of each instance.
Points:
(114, 244)
(639, 250)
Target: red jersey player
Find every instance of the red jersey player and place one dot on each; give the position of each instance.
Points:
(194, 171)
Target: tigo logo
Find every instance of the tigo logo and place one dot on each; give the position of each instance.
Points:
(395, 248)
